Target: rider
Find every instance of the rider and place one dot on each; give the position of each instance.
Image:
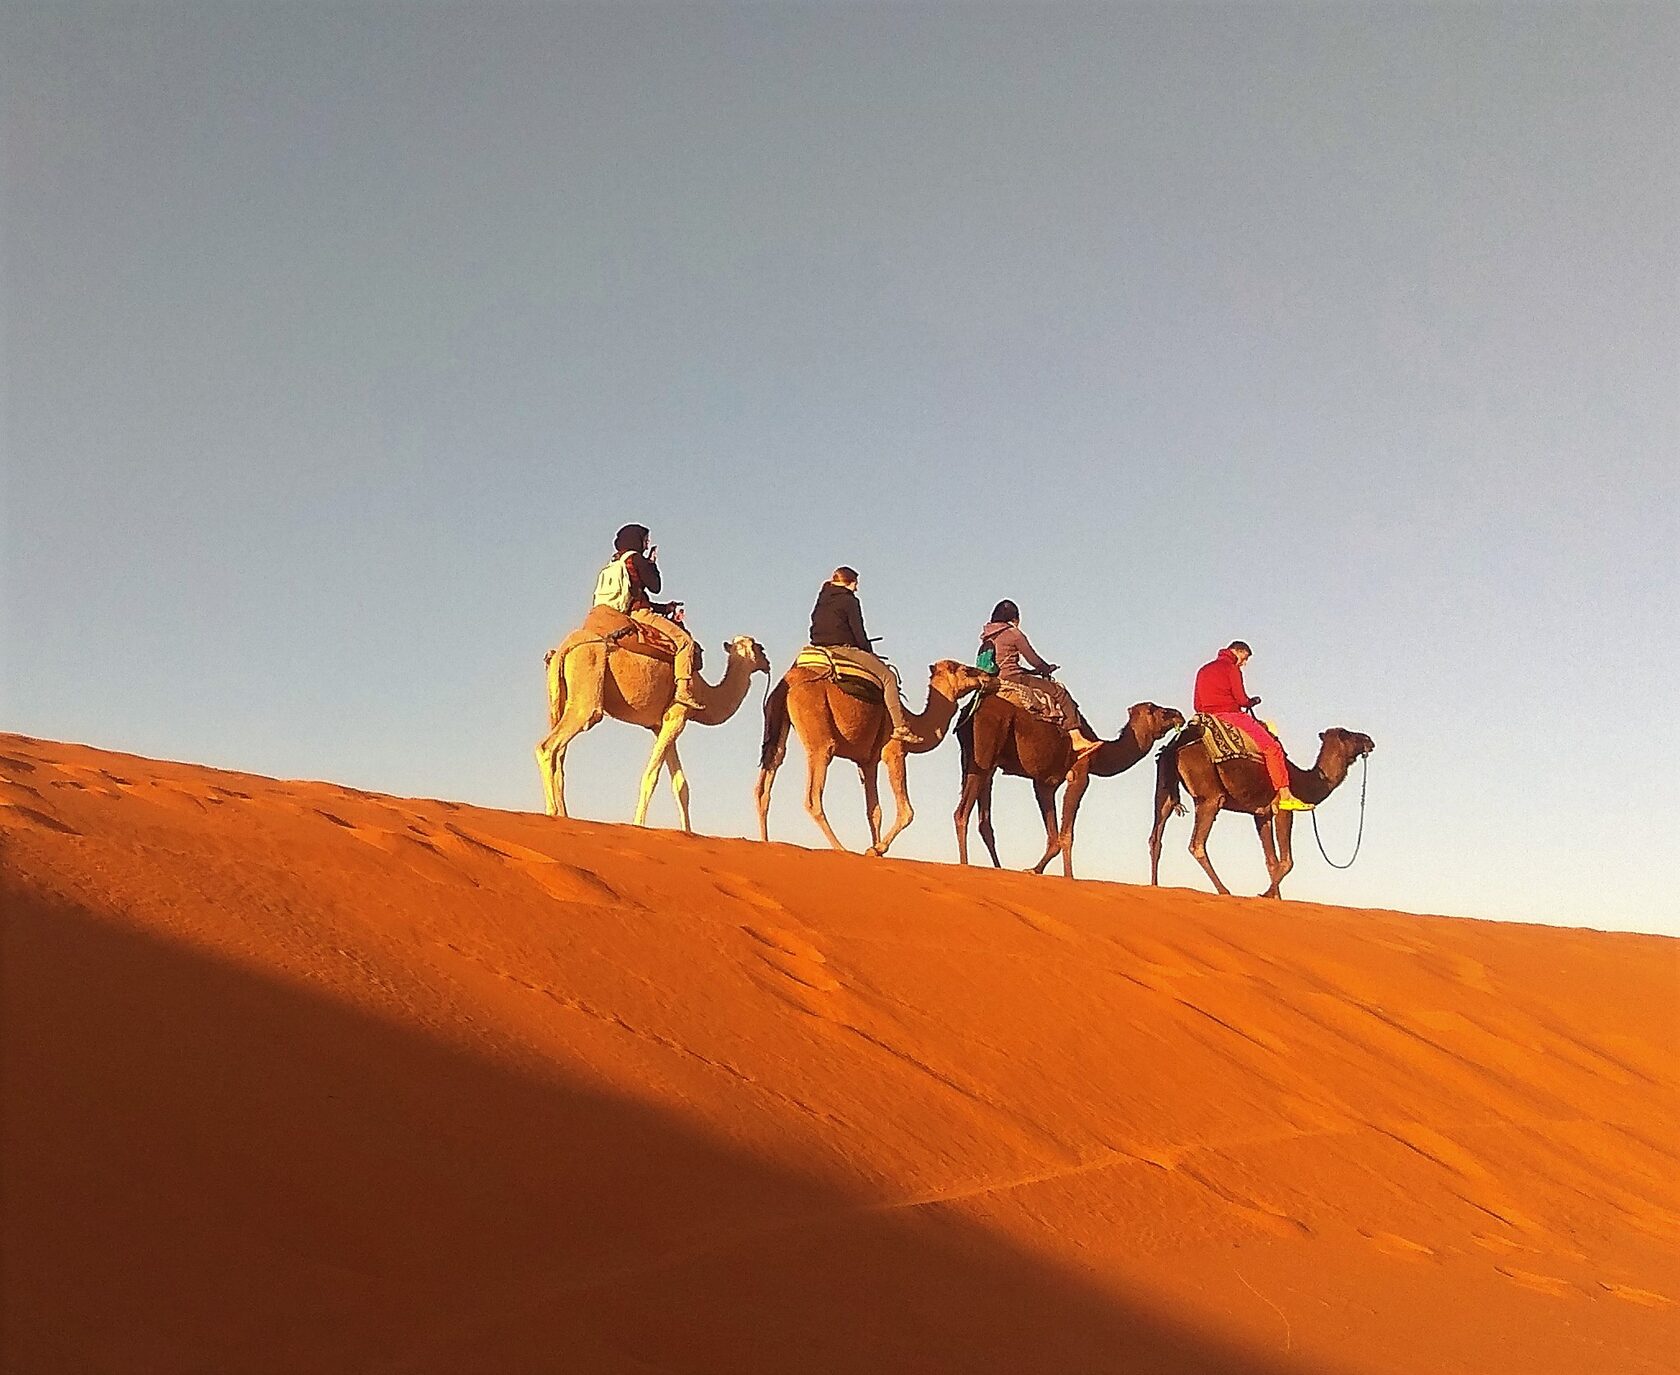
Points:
(640, 562)
(1220, 692)
(1009, 645)
(837, 626)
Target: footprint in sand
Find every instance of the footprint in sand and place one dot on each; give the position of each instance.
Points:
(1043, 923)
(1392, 1244)
(16, 765)
(1262, 1215)
(416, 854)
(744, 890)
(1645, 1298)
(40, 818)
(561, 881)
(1488, 1242)
(800, 965)
(1543, 1284)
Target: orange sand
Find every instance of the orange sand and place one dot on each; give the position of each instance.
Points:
(302, 1079)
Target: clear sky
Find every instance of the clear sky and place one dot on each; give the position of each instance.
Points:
(338, 339)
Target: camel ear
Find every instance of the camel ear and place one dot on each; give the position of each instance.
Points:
(1323, 734)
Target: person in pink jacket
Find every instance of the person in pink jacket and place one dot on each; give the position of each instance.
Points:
(1009, 646)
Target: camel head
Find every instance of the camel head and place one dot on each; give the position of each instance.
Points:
(749, 649)
(954, 679)
(1346, 745)
(1150, 722)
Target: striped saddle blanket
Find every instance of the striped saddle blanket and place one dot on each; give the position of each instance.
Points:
(848, 677)
(1222, 740)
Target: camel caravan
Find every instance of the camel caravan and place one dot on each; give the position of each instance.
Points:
(634, 660)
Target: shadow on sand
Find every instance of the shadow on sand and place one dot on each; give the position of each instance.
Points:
(207, 1170)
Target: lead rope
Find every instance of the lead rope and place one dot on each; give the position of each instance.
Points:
(1364, 778)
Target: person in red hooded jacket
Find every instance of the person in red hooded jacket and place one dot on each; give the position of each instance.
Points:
(1220, 692)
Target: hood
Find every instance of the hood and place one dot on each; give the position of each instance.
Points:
(992, 628)
(832, 591)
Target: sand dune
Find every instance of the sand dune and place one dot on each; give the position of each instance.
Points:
(299, 1078)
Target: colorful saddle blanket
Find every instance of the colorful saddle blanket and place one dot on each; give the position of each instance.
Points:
(645, 639)
(618, 632)
(1222, 740)
(1035, 701)
(848, 677)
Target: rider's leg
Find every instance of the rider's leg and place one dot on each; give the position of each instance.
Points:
(685, 653)
(882, 674)
(1271, 753)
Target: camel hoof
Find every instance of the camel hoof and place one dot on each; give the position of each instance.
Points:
(875, 852)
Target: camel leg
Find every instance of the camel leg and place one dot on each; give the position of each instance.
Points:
(1166, 808)
(987, 833)
(1207, 812)
(1286, 844)
(898, 780)
(965, 808)
(1282, 860)
(1046, 795)
(669, 728)
(869, 776)
(761, 799)
(767, 781)
(551, 756)
(1263, 825)
(679, 784)
(817, 760)
(1077, 784)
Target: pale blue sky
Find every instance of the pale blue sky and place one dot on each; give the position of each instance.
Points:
(338, 340)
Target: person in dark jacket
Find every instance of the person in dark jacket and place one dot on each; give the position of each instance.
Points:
(837, 626)
(1010, 646)
(1220, 691)
(640, 559)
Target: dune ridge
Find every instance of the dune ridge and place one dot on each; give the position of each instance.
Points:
(304, 1078)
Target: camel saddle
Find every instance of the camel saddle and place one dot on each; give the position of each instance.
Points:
(620, 632)
(1035, 701)
(849, 678)
(1222, 740)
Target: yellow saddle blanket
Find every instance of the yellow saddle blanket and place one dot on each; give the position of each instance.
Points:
(851, 679)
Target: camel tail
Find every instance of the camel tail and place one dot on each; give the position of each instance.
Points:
(555, 664)
(775, 726)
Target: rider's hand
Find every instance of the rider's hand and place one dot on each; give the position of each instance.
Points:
(1050, 670)
(653, 553)
(1254, 701)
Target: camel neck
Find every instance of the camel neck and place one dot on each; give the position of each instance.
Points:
(1119, 754)
(723, 698)
(931, 723)
(1325, 776)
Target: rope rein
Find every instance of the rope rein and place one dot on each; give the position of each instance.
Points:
(1364, 778)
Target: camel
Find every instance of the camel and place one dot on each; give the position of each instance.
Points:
(1000, 735)
(588, 680)
(1241, 785)
(831, 723)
